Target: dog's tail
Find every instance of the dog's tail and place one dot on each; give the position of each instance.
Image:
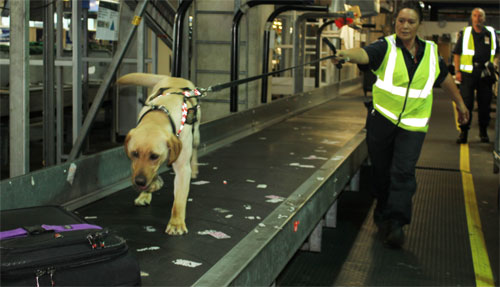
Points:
(141, 79)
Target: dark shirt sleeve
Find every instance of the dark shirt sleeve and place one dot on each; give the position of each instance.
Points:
(458, 46)
(497, 51)
(376, 53)
(442, 73)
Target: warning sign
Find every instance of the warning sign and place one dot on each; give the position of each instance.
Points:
(108, 18)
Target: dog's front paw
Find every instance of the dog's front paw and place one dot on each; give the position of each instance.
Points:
(176, 228)
(156, 184)
(143, 199)
(194, 173)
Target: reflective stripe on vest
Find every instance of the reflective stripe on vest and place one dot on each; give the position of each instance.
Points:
(389, 98)
(466, 59)
(415, 122)
(493, 42)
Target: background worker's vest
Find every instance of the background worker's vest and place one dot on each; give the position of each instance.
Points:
(406, 104)
(466, 64)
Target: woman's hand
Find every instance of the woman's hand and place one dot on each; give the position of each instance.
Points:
(458, 76)
(451, 89)
(463, 113)
(354, 55)
(340, 57)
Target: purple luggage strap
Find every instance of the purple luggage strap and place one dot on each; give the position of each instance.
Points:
(56, 228)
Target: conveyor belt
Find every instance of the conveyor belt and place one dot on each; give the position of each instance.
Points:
(289, 160)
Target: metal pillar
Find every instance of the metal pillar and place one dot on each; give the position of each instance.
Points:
(85, 67)
(49, 148)
(113, 66)
(180, 15)
(19, 88)
(59, 84)
(154, 54)
(355, 181)
(331, 215)
(141, 91)
(313, 243)
(76, 24)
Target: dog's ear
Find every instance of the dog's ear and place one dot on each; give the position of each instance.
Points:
(175, 146)
(125, 144)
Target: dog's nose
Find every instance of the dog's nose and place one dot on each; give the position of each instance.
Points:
(140, 180)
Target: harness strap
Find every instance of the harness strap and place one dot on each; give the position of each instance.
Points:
(159, 108)
(188, 94)
(23, 231)
(183, 117)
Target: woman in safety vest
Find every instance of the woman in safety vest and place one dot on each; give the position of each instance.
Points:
(407, 68)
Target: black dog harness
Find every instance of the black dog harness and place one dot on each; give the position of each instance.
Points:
(189, 116)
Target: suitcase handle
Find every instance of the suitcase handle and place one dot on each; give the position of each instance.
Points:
(37, 229)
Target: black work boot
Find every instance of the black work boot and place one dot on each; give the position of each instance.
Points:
(381, 222)
(483, 134)
(396, 236)
(380, 218)
(462, 138)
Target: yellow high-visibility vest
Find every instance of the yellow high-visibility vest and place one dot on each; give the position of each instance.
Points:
(466, 64)
(406, 104)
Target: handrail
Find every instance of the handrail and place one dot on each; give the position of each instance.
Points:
(233, 103)
(317, 73)
(267, 33)
(180, 15)
(298, 77)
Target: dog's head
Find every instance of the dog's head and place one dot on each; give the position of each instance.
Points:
(148, 149)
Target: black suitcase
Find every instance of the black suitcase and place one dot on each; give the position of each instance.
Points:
(50, 246)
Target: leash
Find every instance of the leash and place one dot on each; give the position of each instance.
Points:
(219, 87)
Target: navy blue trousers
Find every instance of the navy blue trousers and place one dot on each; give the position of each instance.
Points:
(484, 92)
(394, 153)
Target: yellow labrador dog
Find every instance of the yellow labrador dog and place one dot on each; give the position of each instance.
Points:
(167, 131)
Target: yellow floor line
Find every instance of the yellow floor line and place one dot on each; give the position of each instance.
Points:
(480, 259)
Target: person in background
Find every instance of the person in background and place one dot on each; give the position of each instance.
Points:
(407, 68)
(476, 46)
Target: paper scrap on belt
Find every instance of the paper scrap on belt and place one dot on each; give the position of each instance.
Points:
(186, 263)
(274, 198)
(325, 141)
(200, 182)
(150, 228)
(215, 234)
(301, 165)
(315, 157)
(152, 248)
(337, 157)
(220, 210)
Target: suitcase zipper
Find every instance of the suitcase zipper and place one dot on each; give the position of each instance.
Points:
(52, 241)
(104, 250)
(39, 273)
(51, 270)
